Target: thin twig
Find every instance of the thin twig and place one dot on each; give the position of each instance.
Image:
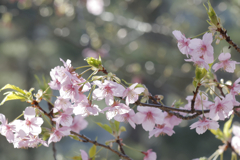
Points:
(101, 145)
(120, 145)
(194, 98)
(224, 34)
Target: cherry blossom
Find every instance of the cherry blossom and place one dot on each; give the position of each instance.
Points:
(235, 142)
(31, 124)
(221, 108)
(61, 104)
(225, 63)
(203, 124)
(7, 129)
(161, 130)
(78, 124)
(130, 117)
(64, 118)
(116, 108)
(84, 155)
(183, 42)
(107, 90)
(131, 93)
(203, 48)
(171, 120)
(198, 61)
(148, 117)
(235, 88)
(149, 155)
(86, 108)
(58, 133)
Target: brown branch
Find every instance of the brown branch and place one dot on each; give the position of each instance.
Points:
(118, 141)
(101, 145)
(219, 87)
(194, 98)
(224, 34)
(122, 155)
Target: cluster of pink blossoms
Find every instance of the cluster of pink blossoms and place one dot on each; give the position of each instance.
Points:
(23, 133)
(202, 54)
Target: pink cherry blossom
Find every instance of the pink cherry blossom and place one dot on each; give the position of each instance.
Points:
(84, 155)
(148, 117)
(235, 88)
(131, 93)
(58, 133)
(130, 117)
(149, 155)
(198, 61)
(79, 123)
(57, 74)
(221, 108)
(203, 124)
(225, 63)
(64, 118)
(31, 124)
(171, 120)
(203, 48)
(183, 42)
(116, 108)
(107, 90)
(7, 129)
(235, 142)
(86, 108)
(61, 104)
(161, 130)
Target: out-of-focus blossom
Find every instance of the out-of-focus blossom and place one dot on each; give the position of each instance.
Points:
(225, 63)
(149, 155)
(183, 43)
(203, 124)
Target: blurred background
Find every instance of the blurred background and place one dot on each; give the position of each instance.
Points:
(135, 41)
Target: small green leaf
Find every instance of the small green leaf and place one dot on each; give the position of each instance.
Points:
(226, 129)
(218, 133)
(9, 86)
(12, 96)
(105, 126)
(117, 125)
(92, 152)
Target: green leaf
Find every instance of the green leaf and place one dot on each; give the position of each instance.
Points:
(117, 124)
(105, 126)
(92, 152)
(218, 133)
(12, 96)
(9, 86)
(226, 129)
(17, 94)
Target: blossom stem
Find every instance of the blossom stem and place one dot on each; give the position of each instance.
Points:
(85, 71)
(131, 148)
(199, 35)
(82, 67)
(18, 117)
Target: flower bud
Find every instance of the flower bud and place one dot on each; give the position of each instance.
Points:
(212, 14)
(96, 63)
(200, 73)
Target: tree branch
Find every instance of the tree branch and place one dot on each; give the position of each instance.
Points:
(224, 34)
